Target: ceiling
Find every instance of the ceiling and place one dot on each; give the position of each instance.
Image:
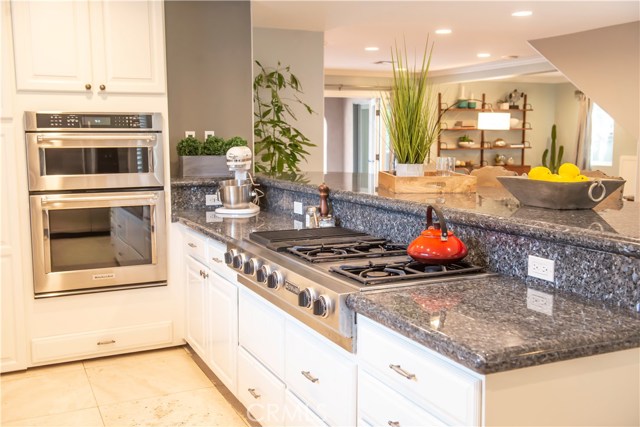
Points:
(478, 26)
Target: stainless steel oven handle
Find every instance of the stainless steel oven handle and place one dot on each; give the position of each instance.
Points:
(46, 241)
(93, 137)
(44, 200)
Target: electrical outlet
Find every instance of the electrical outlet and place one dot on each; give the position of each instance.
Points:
(540, 301)
(188, 133)
(297, 208)
(541, 268)
(208, 133)
(212, 200)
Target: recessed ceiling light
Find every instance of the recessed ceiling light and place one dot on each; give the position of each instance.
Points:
(522, 13)
(372, 49)
(484, 55)
(443, 31)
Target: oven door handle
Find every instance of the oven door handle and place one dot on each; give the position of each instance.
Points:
(46, 240)
(48, 200)
(96, 140)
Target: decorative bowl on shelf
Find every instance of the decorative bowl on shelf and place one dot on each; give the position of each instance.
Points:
(466, 144)
(560, 195)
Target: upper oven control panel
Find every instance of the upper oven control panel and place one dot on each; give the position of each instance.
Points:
(58, 121)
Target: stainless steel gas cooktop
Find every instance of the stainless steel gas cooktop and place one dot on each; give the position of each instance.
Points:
(310, 272)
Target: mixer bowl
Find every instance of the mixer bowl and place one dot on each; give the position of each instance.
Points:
(235, 194)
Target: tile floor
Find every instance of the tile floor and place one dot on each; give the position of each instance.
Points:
(155, 388)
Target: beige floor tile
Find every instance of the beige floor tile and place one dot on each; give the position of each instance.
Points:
(142, 378)
(44, 370)
(82, 418)
(135, 357)
(49, 394)
(204, 407)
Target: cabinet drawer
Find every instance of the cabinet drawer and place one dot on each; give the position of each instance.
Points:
(297, 414)
(378, 405)
(215, 261)
(261, 330)
(195, 245)
(419, 374)
(323, 375)
(96, 343)
(260, 391)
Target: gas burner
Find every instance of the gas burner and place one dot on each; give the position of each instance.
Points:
(370, 273)
(324, 252)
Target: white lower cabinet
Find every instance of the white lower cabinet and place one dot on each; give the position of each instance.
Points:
(321, 373)
(445, 392)
(261, 392)
(212, 307)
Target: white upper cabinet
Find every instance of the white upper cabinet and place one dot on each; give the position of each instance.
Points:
(89, 46)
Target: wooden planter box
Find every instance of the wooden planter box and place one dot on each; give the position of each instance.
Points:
(429, 183)
(203, 166)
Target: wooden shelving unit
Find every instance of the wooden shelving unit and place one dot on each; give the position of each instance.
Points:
(483, 145)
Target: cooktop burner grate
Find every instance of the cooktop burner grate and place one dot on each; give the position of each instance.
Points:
(358, 249)
(370, 273)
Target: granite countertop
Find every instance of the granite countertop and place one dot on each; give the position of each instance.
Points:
(483, 324)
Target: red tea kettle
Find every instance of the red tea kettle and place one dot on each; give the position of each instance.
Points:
(436, 244)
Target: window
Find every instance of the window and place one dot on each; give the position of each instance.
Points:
(601, 137)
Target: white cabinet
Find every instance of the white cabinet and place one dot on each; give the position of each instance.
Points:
(297, 414)
(435, 385)
(89, 46)
(323, 375)
(212, 307)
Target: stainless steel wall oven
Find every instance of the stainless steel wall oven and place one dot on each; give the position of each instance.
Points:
(96, 186)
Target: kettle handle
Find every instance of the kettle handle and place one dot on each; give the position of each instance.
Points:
(444, 234)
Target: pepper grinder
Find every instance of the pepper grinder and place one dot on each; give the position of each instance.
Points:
(324, 194)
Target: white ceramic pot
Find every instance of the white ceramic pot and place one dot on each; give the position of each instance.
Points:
(409, 169)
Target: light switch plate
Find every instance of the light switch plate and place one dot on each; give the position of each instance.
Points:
(189, 133)
(208, 133)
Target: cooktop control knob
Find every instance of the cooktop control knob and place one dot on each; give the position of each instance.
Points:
(252, 266)
(307, 297)
(275, 280)
(322, 306)
(229, 255)
(262, 273)
(239, 260)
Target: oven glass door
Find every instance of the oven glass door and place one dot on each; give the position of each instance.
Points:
(62, 161)
(91, 241)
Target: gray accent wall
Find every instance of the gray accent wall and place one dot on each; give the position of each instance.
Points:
(209, 71)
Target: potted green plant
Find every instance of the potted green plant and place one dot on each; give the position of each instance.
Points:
(205, 159)
(410, 112)
(279, 146)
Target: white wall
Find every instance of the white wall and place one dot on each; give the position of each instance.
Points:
(303, 51)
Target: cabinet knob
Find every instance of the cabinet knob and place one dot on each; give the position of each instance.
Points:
(87, 86)
(102, 87)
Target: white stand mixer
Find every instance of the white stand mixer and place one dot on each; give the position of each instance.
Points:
(237, 195)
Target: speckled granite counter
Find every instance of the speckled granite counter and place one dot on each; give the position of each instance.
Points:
(485, 325)
(468, 321)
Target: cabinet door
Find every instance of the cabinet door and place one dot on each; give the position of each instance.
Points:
(195, 310)
(259, 391)
(321, 373)
(297, 414)
(52, 45)
(128, 42)
(222, 324)
(261, 331)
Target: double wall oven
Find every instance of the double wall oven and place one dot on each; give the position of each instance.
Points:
(97, 202)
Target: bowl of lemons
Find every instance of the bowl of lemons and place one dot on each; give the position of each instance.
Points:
(568, 189)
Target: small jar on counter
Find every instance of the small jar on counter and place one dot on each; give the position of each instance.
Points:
(327, 221)
(311, 217)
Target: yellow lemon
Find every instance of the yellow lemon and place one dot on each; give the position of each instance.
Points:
(582, 178)
(569, 170)
(539, 172)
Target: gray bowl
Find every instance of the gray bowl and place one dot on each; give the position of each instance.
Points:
(235, 194)
(560, 195)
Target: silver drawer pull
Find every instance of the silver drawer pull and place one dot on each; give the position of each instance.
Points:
(404, 373)
(310, 377)
(191, 245)
(394, 423)
(252, 392)
(107, 342)
(218, 260)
